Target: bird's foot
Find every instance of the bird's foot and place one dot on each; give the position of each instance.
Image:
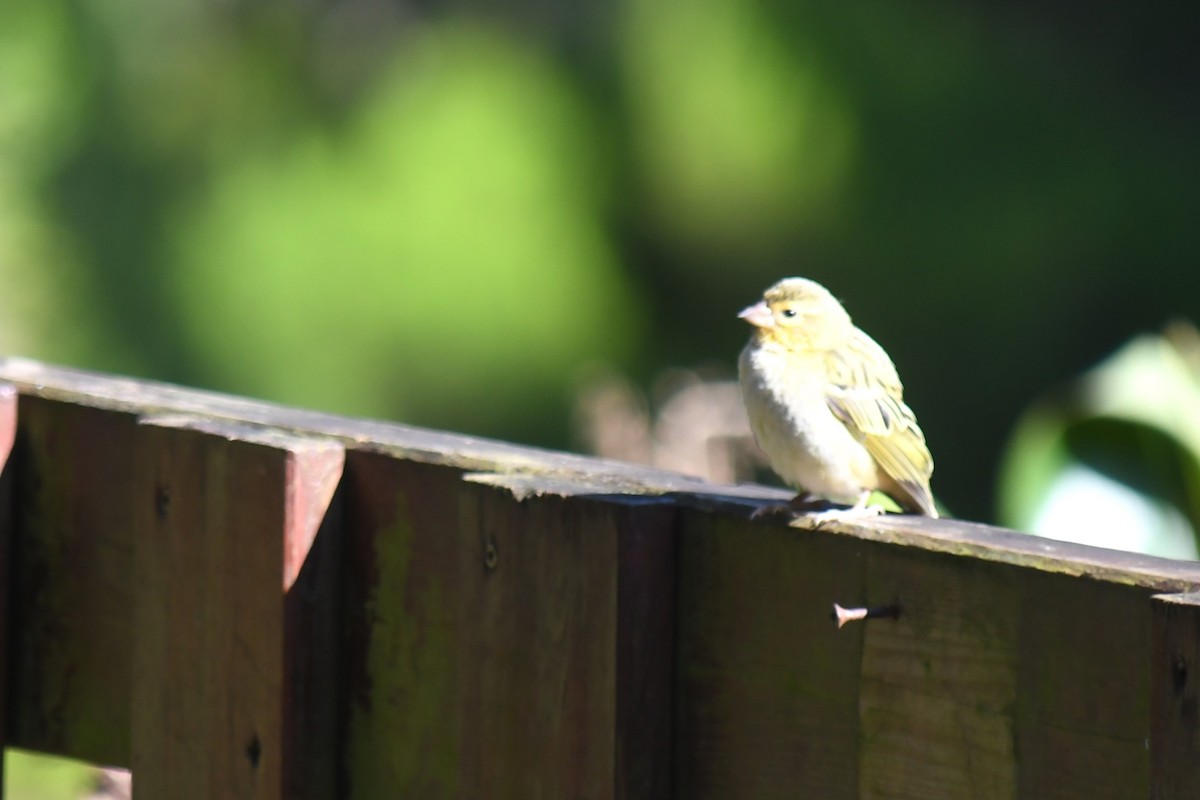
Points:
(851, 514)
(860, 510)
(802, 504)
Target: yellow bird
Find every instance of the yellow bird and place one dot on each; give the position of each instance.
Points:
(827, 406)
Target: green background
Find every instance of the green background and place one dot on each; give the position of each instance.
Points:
(442, 213)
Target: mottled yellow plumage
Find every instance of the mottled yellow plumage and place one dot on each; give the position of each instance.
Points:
(826, 404)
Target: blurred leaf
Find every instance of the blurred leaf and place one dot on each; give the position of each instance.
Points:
(1125, 437)
(741, 134)
(42, 98)
(41, 85)
(443, 259)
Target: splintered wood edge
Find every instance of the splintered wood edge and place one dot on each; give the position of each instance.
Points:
(531, 472)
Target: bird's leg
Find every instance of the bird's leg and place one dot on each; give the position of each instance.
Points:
(806, 502)
(860, 510)
(802, 504)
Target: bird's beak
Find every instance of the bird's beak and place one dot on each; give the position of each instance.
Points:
(758, 315)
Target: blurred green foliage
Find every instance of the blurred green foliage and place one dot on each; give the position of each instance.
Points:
(440, 256)
(739, 137)
(30, 776)
(439, 214)
(1113, 457)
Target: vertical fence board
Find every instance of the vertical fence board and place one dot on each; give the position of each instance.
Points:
(1083, 706)
(312, 625)
(8, 432)
(1175, 697)
(646, 550)
(402, 600)
(939, 683)
(1011, 672)
(224, 518)
(767, 688)
(540, 719)
(487, 638)
(70, 571)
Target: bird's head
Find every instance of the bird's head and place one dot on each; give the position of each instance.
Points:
(797, 313)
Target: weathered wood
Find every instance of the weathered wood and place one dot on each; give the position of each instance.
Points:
(646, 550)
(1175, 697)
(766, 688)
(1083, 705)
(939, 684)
(523, 623)
(1008, 673)
(487, 653)
(8, 433)
(224, 521)
(403, 556)
(134, 397)
(313, 688)
(70, 571)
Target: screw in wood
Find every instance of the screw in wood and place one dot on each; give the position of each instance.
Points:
(843, 615)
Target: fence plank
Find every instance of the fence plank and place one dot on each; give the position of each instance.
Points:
(518, 622)
(1083, 706)
(767, 689)
(71, 622)
(8, 433)
(224, 518)
(939, 684)
(70, 571)
(1010, 672)
(496, 637)
(1175, 697)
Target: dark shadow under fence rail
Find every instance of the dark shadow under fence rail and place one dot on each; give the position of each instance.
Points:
(237, 599)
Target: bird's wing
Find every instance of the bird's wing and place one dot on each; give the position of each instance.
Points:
(865, 393)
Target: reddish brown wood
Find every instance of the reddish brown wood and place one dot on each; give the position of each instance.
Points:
(225, 521)
(512, 623)
(8, 432)
(312, 571)
(70, 620)
(504, 644)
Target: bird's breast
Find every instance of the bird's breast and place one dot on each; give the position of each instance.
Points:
(785, 397)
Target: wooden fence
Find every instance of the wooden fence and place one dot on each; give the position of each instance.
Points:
(241, 600)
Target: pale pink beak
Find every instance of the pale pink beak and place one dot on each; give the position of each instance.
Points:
(758, 315)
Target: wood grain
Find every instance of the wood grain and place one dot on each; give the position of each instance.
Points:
(1009, 673)
(223, 518)
(766, 688)
(939, 684)
(1175, 697)
(488, 656)
(468, 618)
(8, 433)
(70, 623)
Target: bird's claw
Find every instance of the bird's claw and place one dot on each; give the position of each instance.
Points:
(854, 513)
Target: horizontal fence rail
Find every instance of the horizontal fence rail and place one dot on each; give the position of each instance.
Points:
(237, 599)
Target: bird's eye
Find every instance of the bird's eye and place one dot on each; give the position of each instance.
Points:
(789, 312)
